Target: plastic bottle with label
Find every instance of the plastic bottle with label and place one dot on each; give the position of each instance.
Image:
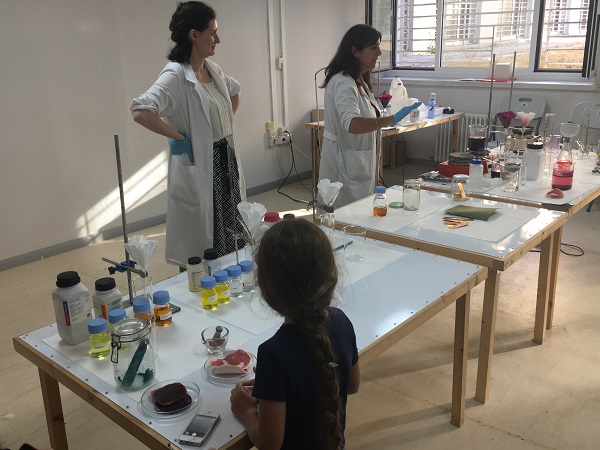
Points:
(212, 262)
(72, 308)
(106, 298)
(195, 271)
(534, 158)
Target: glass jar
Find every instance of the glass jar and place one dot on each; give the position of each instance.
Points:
(162, 309)
(210, 297)
(460, 188)
(222, 286)
(132, 354)
(411, 195)
(247, 275)
(380, 202)
(212, 262)
(236, 287)
(195, 271)
(99, 338)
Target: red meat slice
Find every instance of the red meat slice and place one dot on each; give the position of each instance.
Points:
(239, 358)
(170, 393)
(175, 406)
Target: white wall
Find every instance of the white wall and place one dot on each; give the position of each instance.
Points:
(70, 69)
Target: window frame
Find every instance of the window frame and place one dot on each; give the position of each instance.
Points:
(532, 73)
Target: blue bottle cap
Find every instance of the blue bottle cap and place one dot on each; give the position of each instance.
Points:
(161, 297)
(141, 305)
(97, 326)
(234, 271)
(114, 315)
(221, 276)
(380, 189)
(476, 161)
(208, 282)
(247, 266)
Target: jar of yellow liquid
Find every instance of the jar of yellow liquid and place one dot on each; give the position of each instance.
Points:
(222, 286)
(99, 338)
(210, 297)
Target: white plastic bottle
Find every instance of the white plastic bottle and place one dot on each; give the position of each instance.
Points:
(72, 308)
(106, 298)
(534, 158)
(476, 174)
(399, 95)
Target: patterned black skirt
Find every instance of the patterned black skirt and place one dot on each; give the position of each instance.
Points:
(226, 196)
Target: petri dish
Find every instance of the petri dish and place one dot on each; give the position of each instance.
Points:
(148, 406)
(231, 379)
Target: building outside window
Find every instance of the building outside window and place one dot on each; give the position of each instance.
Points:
(548, 36)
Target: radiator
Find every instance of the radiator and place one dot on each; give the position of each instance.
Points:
(443, 137)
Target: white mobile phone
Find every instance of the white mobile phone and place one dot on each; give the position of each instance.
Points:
(199, 428)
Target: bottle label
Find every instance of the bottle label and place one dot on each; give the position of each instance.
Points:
(235, 285)
(77, 310)
(165, 316)
(211, 299)
(194, 279)
(101, 310)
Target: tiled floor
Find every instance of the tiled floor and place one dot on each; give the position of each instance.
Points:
(542, 397)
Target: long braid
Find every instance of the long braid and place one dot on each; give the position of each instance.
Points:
(330, 404)
(297, 275)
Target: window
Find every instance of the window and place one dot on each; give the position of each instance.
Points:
(547, 35)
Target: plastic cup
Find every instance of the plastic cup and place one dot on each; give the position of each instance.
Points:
(512, 171)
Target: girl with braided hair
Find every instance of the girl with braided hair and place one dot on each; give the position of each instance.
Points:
(305, 371)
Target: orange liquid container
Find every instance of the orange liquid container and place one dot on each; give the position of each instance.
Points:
(379, 211)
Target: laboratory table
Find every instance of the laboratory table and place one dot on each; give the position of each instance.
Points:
(367, 292)
(388, 132)
(585, 189)
(508, 235)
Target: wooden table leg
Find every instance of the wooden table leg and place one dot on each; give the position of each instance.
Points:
(544, 279)
(555, 249)
(459, 376)
(54, 413)
(486, 339)
(454, 145)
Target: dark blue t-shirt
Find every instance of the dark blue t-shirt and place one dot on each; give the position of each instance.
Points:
(286, 372)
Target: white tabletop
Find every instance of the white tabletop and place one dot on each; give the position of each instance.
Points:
(508, 228)
(534, 192)
(378, 294)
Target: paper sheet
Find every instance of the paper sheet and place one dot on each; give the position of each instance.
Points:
(502, 223)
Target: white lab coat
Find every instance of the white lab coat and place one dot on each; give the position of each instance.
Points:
(348, 158)
(182, 102)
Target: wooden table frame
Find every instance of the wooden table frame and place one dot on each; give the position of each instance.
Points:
(548, 239)
(547, 279)
(318, 127)
(51, 373)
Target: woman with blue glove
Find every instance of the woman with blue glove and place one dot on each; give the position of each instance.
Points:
(192, 103)
(352, 117)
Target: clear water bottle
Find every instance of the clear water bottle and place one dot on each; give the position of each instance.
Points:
(380, 202)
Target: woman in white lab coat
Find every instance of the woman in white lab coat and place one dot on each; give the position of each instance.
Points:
(352, 117)
(197, 101)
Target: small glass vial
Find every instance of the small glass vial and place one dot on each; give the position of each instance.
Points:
(380, 202)
(195, 271)
(106, 298)
(212, 262)
(236, 286)
(247, 275)
(210, 297)
(114, 317)
(460, 188)
(222, 286)
(99, 338)
(162, 308)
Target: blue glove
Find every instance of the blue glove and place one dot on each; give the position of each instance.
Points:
(180, 147)
(403, 112)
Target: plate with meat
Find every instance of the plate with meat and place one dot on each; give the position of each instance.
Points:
(230, 367)
(170, 398)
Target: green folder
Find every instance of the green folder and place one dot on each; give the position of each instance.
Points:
(472, 212)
